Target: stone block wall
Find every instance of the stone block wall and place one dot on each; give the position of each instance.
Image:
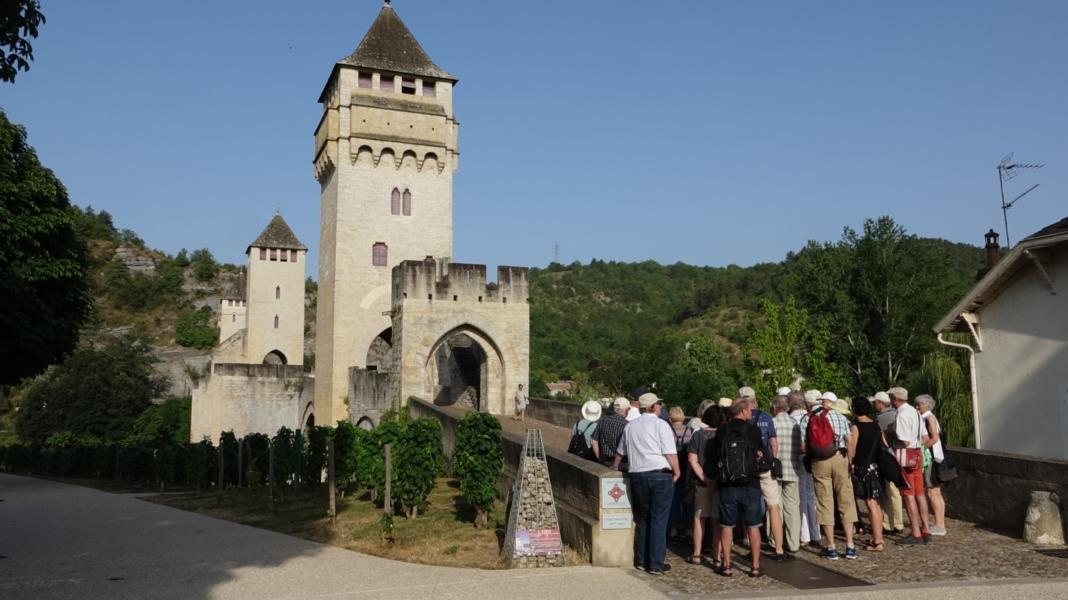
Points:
(250, 399)
(994, 489)
(371, 395)
(576, 489)
(558, 412)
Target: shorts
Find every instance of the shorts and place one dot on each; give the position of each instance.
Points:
(770, 490)
(833, 486)
(705, 502)
(928, 477)
(740, 501)
(914, 477)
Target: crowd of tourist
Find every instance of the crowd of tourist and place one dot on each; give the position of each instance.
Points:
(796, 476)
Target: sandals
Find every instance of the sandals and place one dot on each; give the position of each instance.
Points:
(756, 573)
(726, 572)
(693, 559)
(872, 547)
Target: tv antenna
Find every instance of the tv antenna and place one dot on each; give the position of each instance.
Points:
(556, 252)
(1006, 171)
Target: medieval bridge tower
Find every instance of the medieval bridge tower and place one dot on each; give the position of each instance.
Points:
(386, 148)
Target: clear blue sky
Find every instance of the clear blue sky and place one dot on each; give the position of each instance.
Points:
(704, 132)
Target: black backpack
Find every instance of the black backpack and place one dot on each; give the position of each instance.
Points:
(578, 445)
(737, 457)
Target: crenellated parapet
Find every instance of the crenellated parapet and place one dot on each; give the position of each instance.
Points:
(433, 280)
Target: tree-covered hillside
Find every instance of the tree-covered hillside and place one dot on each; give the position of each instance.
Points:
(853, 315)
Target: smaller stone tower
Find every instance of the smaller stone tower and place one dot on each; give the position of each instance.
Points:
(275, 296)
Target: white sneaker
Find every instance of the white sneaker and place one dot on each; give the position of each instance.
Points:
(937, 531)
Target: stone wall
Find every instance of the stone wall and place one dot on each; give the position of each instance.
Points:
(250, 399)
(576, 489)
(371, 394)
(558, 412)
(435, 300)
(994, 489)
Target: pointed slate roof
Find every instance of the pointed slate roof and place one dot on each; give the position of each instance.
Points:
(277, 234)
(390, 46)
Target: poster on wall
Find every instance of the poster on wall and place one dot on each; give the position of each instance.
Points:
(538, 542)
(614, 493)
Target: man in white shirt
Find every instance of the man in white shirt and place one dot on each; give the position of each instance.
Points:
(648, 443)
(907, 429)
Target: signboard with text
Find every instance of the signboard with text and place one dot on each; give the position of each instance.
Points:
(614, 493)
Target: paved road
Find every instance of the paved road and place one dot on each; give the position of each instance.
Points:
(63, 541)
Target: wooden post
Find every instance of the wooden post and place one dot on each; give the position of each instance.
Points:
(270, 473)
(240, 443)
(331, 484)
(388, 505)
(220, 471)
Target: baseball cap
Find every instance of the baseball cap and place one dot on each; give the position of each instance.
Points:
(881, 397)
(648, 399)
(747, 392)
(829, 396)
(621, 403)
(812, 396)
(783, 391)
(725, 402)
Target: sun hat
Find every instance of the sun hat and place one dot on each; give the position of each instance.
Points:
(648, 399)
(591, 410)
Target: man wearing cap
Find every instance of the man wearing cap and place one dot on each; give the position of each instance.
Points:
(608, 433)
(648, 443)
(788, 433)
(769, 488)
(908, 448)
(806, 489)
(832, 479)
(893, 514)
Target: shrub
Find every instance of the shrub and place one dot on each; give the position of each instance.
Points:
(203, 468)
(315, 453)
(282, 447)
(256, 464)
(194, 329)
(417, 463)
(478, 461)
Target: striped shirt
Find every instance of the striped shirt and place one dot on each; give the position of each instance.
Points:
(789, 436)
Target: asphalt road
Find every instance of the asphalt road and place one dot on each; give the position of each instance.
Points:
(64, 541)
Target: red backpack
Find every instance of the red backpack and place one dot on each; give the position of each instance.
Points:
(821, 439)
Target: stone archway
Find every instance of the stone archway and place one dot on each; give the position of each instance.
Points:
(465, 368)
(275, 357)
(380, 352)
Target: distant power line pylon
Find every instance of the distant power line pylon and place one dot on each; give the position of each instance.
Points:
(556, 252)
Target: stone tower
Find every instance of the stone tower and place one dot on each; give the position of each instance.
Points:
(274, 332)
(385, 152)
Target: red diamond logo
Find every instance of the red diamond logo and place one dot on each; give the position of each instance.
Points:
(616, 492)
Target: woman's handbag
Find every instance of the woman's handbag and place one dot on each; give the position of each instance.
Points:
(868, 485)
(888, 466)
(945, 471)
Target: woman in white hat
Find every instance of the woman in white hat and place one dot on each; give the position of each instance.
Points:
(586, 427)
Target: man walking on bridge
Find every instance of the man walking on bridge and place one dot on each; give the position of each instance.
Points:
(649, 445)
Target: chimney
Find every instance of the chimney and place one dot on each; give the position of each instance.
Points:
(992, 249)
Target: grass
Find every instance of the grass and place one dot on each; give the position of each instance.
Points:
(443, 534)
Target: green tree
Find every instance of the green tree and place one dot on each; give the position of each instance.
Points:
(204, 266)
(194, 329)
(182, 258)
(946, 380)
(19, 21)
(419, 461)
(478, 461)
(43, 265)
(788, 345)
(162, 424)
(97, 391)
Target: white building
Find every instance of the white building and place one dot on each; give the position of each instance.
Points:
(1017, 320)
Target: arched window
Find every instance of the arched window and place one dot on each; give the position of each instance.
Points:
(379, 254)
(276, 321)
(395, 202)
(407, 203)
(233, 318)
(277, 292)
